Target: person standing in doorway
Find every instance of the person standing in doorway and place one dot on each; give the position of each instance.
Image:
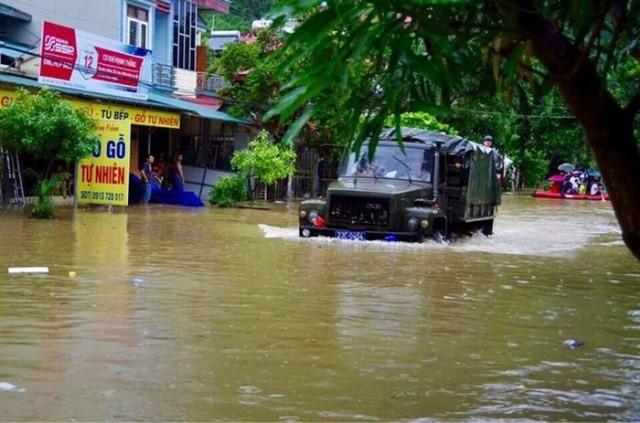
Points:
(146, 174)
(177, 174)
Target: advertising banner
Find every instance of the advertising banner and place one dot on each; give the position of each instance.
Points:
(105, 111)
(103, 177)
(83, 61)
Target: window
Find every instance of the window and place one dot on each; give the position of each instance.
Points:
(137, 26)
(184, 35)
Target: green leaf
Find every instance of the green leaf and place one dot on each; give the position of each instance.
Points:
(295, 129)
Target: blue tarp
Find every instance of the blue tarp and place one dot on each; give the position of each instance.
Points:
(162, 196)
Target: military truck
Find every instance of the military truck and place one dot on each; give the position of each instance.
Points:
(436, 186)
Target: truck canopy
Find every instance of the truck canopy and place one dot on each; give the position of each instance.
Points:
(450, 144)
(483, 162)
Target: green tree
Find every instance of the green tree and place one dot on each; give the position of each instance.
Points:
(415, 55)
(423, 121)
(254, 81)
(537, 133)
(264, 160)
(229, 190)
(241, 14)
(49, 128)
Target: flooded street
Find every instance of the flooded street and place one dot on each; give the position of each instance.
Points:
(178, 314)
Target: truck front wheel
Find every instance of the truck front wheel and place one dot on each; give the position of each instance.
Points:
(438, 230)
(487, 227)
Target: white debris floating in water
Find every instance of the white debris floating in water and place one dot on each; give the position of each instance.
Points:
(6, 387)
(573, 343)
(15, 270)
(138, 282)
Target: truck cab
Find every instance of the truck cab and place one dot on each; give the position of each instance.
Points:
(435, 186)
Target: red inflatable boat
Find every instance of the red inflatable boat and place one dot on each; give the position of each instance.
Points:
(553, 194)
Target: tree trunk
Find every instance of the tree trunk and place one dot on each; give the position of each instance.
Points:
(608, 127)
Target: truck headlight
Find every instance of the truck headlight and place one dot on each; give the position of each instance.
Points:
(424, 224)
(412, 224)
(303, 214)
(313, 215)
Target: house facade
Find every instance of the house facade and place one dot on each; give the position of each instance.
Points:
(169, 33)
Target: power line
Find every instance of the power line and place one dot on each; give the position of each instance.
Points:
(484, 112)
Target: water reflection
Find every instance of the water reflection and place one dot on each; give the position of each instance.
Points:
(238, 319)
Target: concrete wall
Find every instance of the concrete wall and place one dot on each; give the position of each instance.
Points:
(200, 180)
(99, 17)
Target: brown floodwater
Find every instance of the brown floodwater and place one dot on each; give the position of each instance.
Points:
(178, 314)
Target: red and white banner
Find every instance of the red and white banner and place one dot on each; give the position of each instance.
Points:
(83, 61)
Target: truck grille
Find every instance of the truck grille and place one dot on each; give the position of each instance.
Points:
(358, 210)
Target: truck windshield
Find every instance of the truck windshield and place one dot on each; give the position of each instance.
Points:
(389, 162)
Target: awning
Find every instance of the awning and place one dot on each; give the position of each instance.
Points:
(33, 83)
(196, 109)
(210, 102)
(155, 99)
(13, 50)
(12, 12)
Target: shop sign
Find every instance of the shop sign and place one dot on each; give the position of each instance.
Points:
(88, 62)
(133, 115)
(103, 177)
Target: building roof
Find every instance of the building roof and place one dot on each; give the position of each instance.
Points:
(163, 6)
(14, 13)
(155, 100)
(221, 6)
(219, 39)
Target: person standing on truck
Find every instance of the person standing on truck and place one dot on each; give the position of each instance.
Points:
(488, 142)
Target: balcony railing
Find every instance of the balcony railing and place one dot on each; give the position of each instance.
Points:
(163, 76)
(166, 76)
(209, 84)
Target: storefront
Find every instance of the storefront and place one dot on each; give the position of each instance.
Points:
(112, 81)
(160, 126)
(126, 131)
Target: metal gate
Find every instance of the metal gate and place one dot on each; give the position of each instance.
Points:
(11, 185)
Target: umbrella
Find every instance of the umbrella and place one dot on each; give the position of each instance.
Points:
(567, 167)
(594, 173)
(556, 178)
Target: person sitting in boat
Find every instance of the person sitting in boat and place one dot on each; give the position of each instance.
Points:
(570, 185)
(582, 190)
(596, 188)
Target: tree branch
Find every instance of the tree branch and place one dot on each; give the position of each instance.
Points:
(633, 107)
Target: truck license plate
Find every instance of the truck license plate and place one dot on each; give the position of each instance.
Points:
(356, 236)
